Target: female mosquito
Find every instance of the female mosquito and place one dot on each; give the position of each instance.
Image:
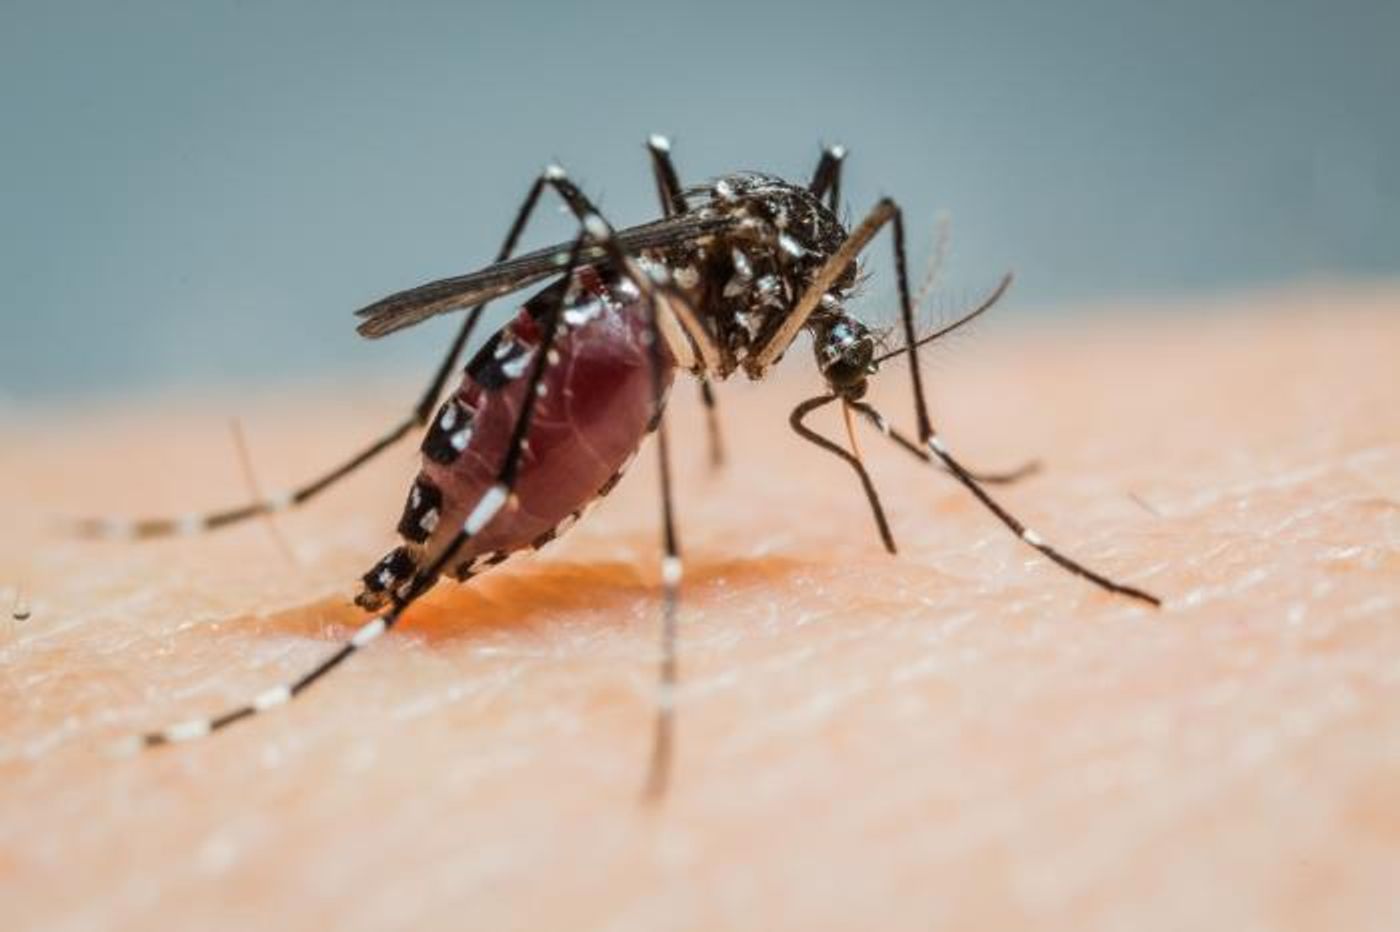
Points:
(551, 410)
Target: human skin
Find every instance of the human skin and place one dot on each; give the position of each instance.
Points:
(963, 736)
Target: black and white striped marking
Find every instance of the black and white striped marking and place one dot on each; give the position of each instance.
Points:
(496, 497)
(397, 567)
(450, 433)
(935, 445)
(265, 701)
(421, 511)
(391, 568)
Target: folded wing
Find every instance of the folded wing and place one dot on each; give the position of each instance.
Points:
(407, 308)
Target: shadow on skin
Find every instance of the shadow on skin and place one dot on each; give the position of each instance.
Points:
(515, 597)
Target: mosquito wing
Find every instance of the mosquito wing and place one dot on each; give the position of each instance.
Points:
(416, 305)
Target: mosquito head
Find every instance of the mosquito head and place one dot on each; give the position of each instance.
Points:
(845, 350)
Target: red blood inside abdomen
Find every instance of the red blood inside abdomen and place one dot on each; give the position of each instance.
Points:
(594, 408)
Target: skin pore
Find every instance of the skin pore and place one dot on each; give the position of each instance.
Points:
(960, 736)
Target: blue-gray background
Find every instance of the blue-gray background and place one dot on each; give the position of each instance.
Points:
(197, 193)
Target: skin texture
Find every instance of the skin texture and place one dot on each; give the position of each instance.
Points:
(963, 736)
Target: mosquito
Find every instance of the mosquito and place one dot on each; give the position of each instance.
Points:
(552, 409)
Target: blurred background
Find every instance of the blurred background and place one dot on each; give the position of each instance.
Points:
(202, 194)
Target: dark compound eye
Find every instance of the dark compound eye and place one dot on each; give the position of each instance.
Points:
(845, 354)
(845, 373)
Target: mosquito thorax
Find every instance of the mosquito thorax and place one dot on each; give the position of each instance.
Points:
(745, 281)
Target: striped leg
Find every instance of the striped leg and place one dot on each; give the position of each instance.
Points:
(662, 298)
(916, 449)
(663, 740)
(936, 447)
(120, 528)
(496, 497)
(929, 439)
(669, 192)
(668, 183)
(668, 188)
(799, 414)
(712, 428)
(826, 180)
(985, 478)
(656, 287)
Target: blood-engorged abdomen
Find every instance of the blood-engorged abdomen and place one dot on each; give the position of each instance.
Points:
(593, 409)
